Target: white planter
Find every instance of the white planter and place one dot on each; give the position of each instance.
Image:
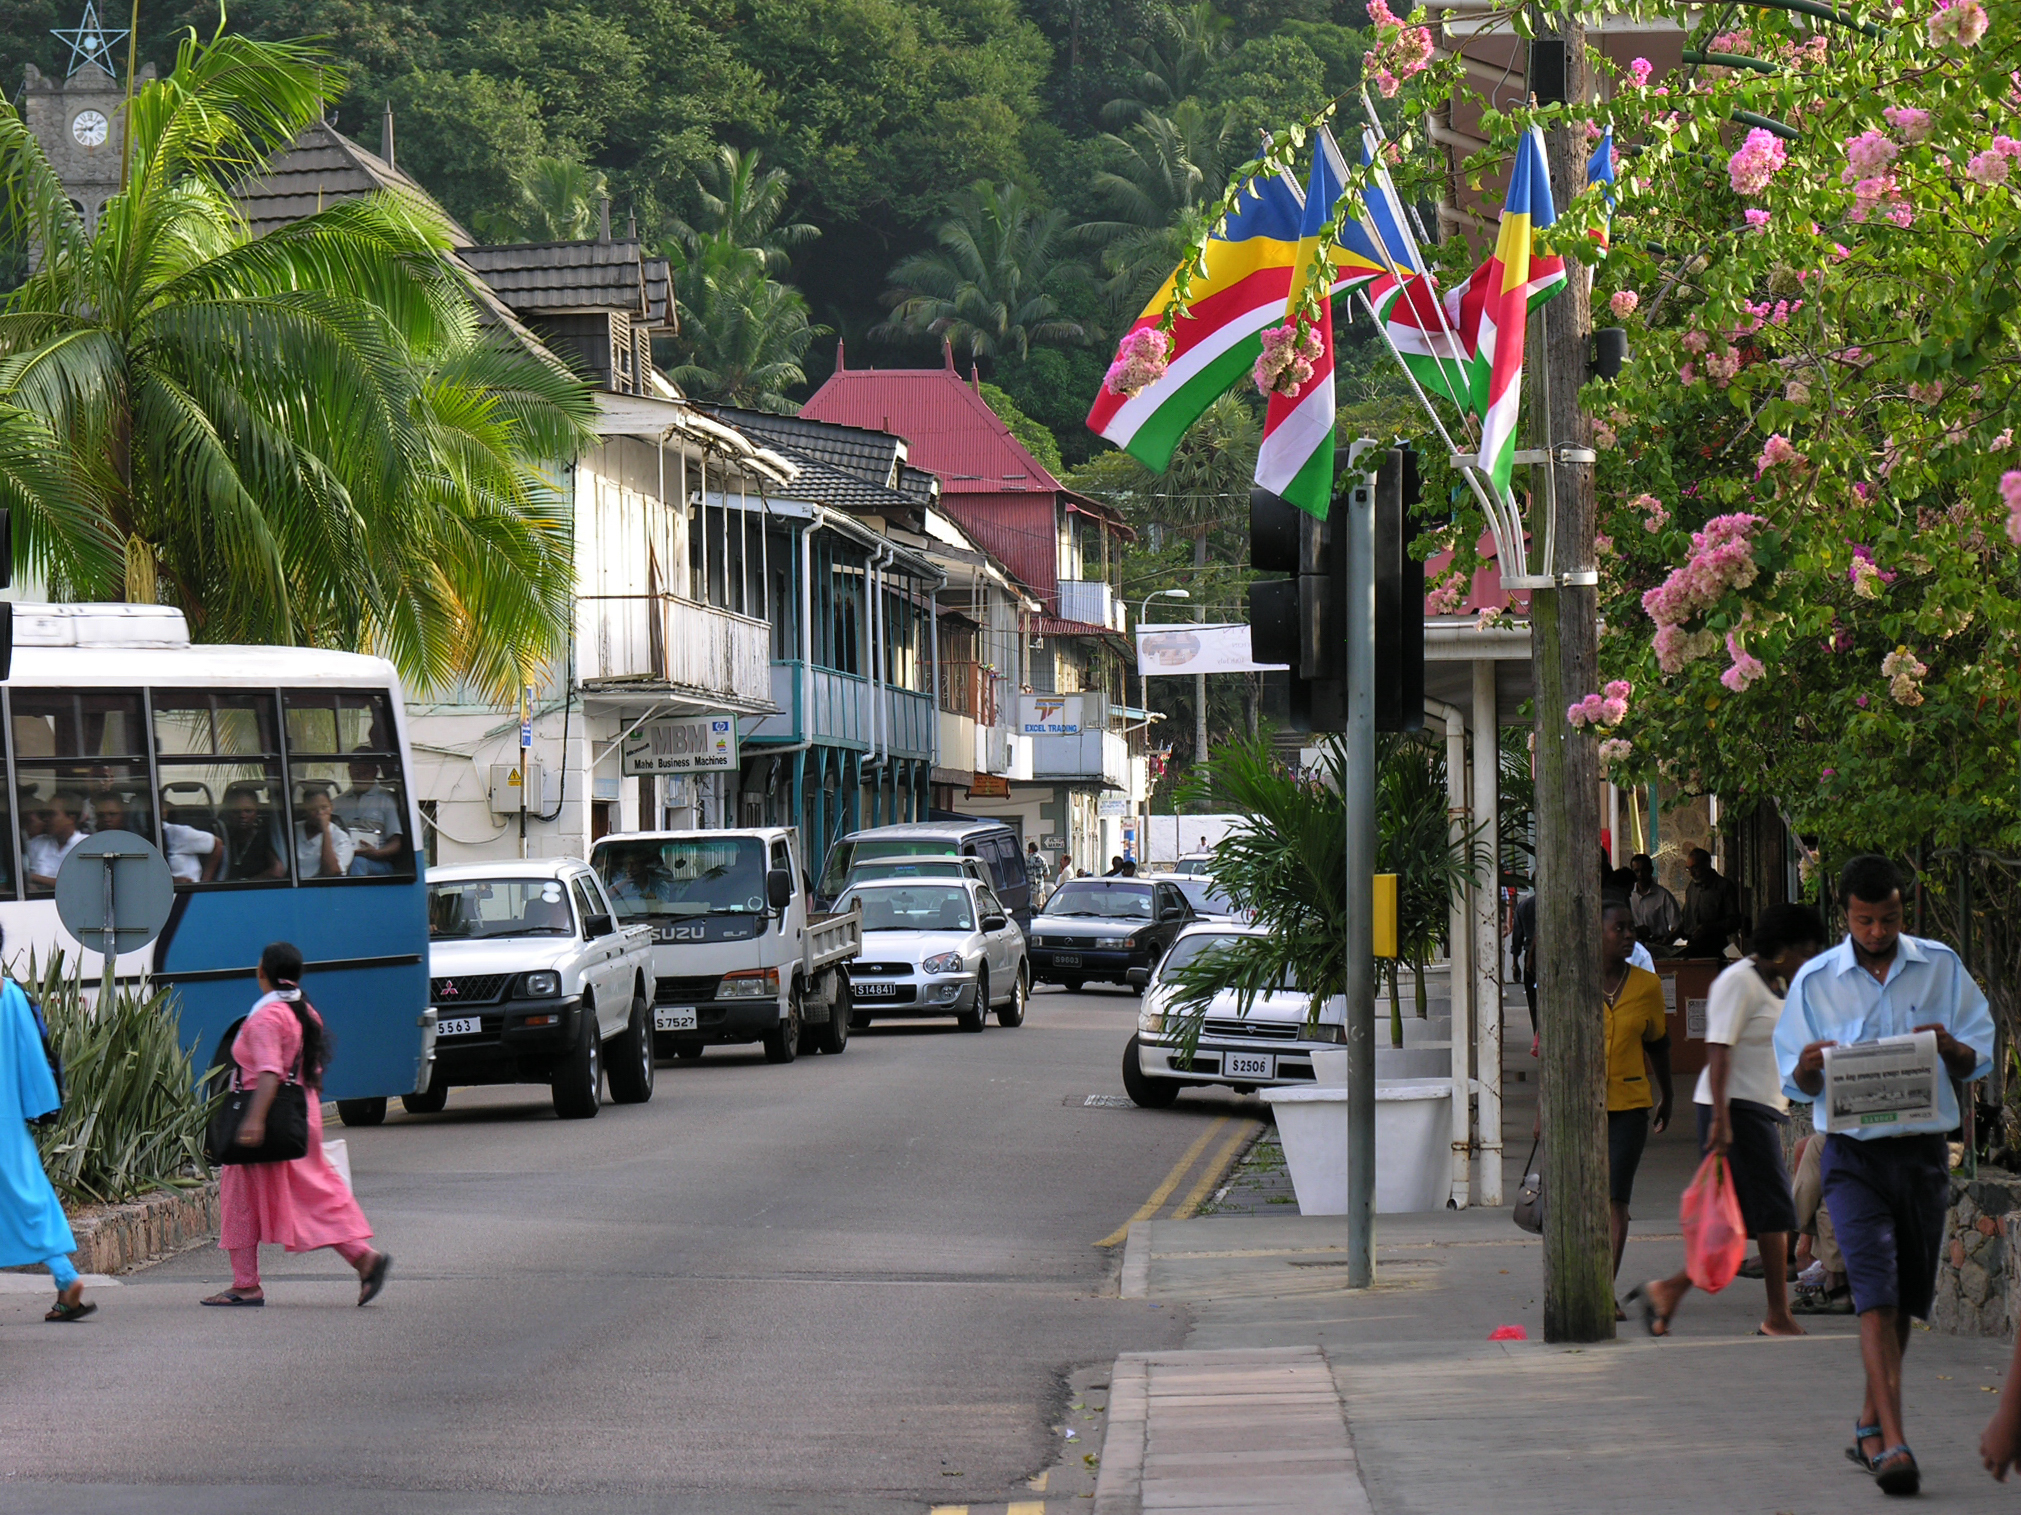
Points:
(1413, 1146)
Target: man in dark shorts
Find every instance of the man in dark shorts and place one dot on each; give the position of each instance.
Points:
(1635, 1028)
(1886, 1184)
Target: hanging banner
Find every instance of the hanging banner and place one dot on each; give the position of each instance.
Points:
(1196, 649)
(682, 744)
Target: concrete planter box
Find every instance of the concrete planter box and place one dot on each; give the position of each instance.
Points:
(1413, 1145)
(115, 1238)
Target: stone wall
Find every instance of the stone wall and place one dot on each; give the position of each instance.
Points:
(1978, 1280)
(114, 1238)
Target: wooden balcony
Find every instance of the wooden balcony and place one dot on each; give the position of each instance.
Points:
(663, 642)
(823, 705)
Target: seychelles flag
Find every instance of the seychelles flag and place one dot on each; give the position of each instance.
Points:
(1600, 171)
(1505, 289)
(1246, 279)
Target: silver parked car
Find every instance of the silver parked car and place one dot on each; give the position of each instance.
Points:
(935, 947)
(1269, 1046)
(1209, 901)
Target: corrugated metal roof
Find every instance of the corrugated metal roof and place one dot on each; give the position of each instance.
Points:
(537, 277)
(949, 429)
(1019, 531)
(1056, 626)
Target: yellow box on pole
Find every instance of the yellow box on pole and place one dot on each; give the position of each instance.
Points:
(1385, 915)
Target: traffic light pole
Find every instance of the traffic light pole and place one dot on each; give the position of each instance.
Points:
(1358, 800)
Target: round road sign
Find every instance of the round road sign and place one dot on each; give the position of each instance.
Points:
(113, 892)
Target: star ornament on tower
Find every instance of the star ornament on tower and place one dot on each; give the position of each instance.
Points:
(89, 42)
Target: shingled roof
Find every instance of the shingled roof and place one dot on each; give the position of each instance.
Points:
(549, 278)
(324, 165)
(874, 456)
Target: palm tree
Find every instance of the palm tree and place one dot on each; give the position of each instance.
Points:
(1174, 63)
(744, 336)
(555, 200)
(988, 287)
(298, 437)
(1162, 175)
(741, 202)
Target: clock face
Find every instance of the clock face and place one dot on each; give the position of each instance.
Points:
(89, 128)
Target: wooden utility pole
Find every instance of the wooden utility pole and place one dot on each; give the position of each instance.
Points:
(1578, 1281)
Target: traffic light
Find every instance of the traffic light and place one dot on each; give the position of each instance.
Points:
(1301, 621)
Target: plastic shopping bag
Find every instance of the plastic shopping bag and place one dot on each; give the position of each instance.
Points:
(1715, 1237)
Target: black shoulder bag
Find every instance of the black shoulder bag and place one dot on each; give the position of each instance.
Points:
(287, 1121)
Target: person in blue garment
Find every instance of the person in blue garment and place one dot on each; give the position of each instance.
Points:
(32, 1225)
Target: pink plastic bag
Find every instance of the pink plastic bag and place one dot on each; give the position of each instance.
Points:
(1715, 1237)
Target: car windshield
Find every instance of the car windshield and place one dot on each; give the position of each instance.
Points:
(913, 867)
(479, 908)
(1205, 896)
(651, 879)
(1112, 901)
(909, 907)
(1202, 943)
(846, 855)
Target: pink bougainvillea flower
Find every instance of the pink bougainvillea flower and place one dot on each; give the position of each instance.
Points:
(1988, 168)
(1141, 359)
(1777, 452)
(1623, 303)
(1960, 23)
(1757, 161)
(1745, 667)
(1639, 71)
(1912, 125)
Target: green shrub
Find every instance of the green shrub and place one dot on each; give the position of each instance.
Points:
(133, 1115)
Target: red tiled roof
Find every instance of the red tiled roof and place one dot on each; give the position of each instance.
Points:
(949, 429)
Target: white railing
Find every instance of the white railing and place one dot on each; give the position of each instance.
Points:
(1092, 754)
(1092, 601)
(661, 639)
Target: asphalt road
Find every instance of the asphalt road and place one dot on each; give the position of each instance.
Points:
(854, 1283)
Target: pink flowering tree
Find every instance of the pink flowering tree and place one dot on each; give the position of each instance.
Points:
(1808, 478)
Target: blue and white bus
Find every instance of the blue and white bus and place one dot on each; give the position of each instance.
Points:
(275, 781)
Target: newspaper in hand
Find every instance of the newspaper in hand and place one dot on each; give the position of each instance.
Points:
(1891, 1082)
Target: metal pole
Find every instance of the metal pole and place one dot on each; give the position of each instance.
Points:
(1358, 799)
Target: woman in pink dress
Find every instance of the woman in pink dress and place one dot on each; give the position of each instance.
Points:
(303, 1204)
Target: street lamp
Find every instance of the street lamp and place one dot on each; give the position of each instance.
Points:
(1144, 694)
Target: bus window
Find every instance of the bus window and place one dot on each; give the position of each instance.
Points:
(349, 793)
(218, 758)
(76, 752)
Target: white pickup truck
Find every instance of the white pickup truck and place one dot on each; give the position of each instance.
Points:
(738, 954)
(535, 980)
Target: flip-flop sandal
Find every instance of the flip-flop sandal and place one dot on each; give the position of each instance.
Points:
(374, 1279)
(1651, 1316)
(1906, 1478)
(229, 1300)
(64, 1312)
(1853, 1453)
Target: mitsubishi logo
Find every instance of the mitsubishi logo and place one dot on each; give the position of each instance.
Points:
(449, 989)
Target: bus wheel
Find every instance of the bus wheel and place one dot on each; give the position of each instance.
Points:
(361, 1112)
(430, 1100)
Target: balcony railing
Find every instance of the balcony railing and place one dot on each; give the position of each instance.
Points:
(662, 639)
(822, 705)
(1092, 755)
(1092, 601)
(970, 689)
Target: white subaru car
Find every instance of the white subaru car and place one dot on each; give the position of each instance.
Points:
(1268, 1047)
(934, 947)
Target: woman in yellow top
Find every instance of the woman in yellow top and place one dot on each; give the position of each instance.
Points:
(1636, 1028)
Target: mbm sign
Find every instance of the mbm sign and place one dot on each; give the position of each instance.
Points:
(685, 744)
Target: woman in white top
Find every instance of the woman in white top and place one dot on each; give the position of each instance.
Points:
(1741, 1106)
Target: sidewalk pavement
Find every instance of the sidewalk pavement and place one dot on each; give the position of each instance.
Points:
(1436, 1419)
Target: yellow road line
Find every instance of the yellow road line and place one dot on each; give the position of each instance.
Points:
(1164, 1190)
(1038, 1484)
(1215, 1171)
(949, 1509)
(1026, 1507)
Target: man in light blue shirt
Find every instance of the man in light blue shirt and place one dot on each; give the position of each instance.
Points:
(1887, 1186)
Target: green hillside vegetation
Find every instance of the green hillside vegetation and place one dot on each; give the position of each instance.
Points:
(1013, 177)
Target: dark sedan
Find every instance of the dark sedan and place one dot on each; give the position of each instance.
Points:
(1107, 930)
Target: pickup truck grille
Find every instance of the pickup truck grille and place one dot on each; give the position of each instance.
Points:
(685, 991)
(1269, 1030)
(468, 988)
(886, 970)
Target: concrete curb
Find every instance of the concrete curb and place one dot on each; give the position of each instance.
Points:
(1136, 1278)
(1120, 1488)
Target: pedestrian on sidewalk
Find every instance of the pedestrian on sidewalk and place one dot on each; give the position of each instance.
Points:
(301, 1205)
(1711, 908)
(1636, 1031)
(1523, 949)
(1887, 1186)
(1741, 1107)
(33, 1228)
(1821, 1287)
(1657, 913)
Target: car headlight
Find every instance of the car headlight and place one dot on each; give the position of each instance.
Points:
(750, 983)
(944, 962)
(1116, 942)
(542, 985)
(1151, 1018)
(1322, 1033)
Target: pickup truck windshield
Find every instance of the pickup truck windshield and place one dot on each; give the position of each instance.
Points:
(650, 880)
(922, 907)
(478, 908)
(1115, 901)
(845, 855)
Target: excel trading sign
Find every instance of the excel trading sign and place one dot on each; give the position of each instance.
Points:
(1049, 715)
(682, 744)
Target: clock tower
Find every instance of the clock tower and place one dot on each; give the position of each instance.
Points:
(77, 118)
